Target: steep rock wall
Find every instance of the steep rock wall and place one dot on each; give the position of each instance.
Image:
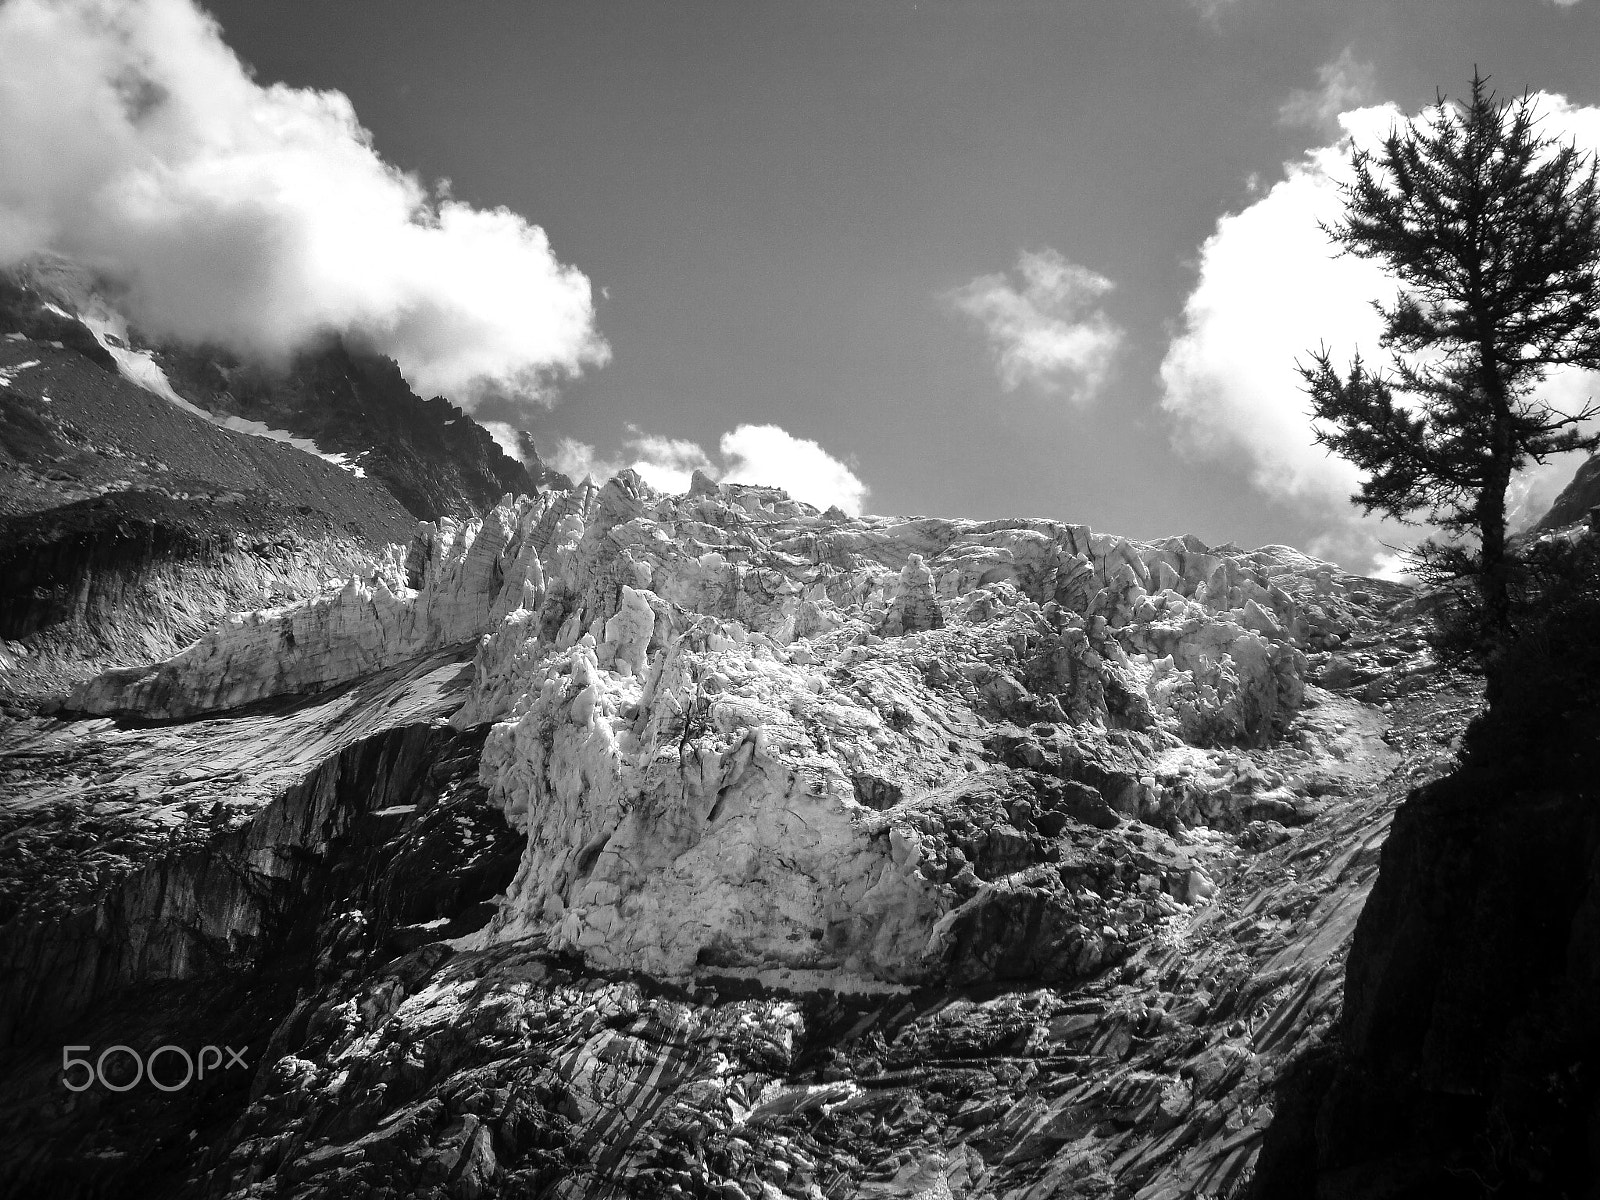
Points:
(1465, 1061)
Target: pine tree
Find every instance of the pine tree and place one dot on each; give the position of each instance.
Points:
(1492, 231)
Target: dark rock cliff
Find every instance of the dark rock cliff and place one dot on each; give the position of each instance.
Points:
(1468, 1060)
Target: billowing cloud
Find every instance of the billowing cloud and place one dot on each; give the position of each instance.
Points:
(1343, 84)
(769, 455)
(1270, 289)
(1044, 324)
(668, 463)
(756, 454)
(260, 215)
(579, 461)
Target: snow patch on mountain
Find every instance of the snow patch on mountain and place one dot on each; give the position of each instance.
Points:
(140, 367)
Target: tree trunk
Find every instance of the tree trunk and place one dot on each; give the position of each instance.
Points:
(1494, 570)
(1494, 575)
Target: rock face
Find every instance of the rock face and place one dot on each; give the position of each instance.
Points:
(388, 844)
(1465, 1060)
(424, 458)
(157, 853)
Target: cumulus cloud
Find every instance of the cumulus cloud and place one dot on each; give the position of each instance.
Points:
(668, 463)
(1044, 324)
(1343, 84)
(756, 454)
(579, 461)
(1269, 289)
(260, 215)
(769, 455)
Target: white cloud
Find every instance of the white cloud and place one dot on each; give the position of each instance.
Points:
(1562, 3)
(769, 455)
(668, 464)
(755, 454)
(1044, 325)
(1344, 84)
(1269, 290)
(579, 461)
(259, 215)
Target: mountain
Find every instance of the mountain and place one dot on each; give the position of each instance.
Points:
(148, 490)
(1577, 499)
(435, 459)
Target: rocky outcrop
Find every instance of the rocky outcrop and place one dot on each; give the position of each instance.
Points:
(193, 911)
(388, 845)
(1465, 1062)
(1577, 499)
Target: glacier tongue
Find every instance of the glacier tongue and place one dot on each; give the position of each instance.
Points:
(741, 735)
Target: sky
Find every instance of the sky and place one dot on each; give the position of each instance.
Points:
(953, 257)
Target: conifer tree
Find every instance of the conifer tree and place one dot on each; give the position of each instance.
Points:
(1492, 231)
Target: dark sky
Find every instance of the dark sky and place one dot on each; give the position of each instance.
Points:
(776, 197)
